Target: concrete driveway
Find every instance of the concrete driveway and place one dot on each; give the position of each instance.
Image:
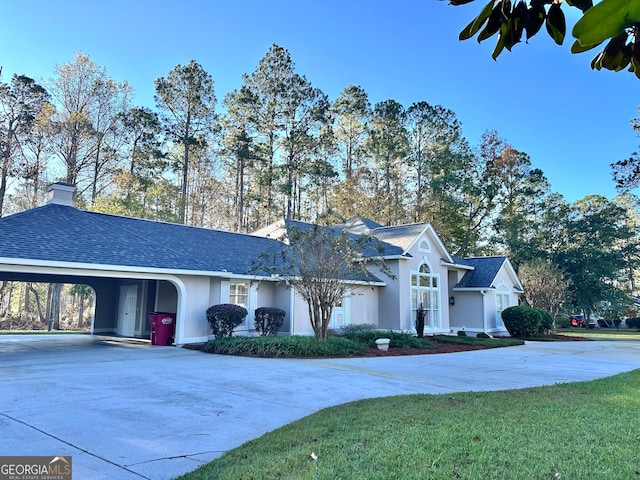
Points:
(126, 410)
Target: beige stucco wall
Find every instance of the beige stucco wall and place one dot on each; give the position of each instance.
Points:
(364, 305)
(193, 301)
(398, 292)
(389, 297)
(467, 313)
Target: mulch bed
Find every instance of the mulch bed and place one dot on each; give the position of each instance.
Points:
(437, 348)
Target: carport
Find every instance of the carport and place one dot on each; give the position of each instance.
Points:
(135, 266)
(122, 299)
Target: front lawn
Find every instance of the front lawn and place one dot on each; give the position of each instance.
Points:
(602, 333)
(584, 430)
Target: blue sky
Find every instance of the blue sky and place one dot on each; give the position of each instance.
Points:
(572, 121)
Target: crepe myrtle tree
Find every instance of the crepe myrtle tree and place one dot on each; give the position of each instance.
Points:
(322, 264)
(616, 22)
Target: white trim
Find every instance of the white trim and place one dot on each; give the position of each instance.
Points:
(176, 281)
(438, 295)
(435, 235)
(456, 265)
(424, 240)
(472, 289)
(126, 270)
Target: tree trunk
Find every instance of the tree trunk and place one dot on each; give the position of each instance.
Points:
(81, 313)
(27, 299)
(41, 314)
(54, 311)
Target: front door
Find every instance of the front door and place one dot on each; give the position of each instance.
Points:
(127, 310)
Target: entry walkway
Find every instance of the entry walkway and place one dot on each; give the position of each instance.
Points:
(124, 409)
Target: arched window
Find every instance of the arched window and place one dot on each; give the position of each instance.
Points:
(425, 291)
(424, 246)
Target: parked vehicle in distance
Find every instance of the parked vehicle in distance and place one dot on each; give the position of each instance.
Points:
(577, 320)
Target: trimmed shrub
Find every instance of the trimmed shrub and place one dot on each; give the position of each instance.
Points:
(546, 321)
(483, 335)
(225, 317)
(522, 321)
(479, 341)
(419, 323)
(369, 336)
(633, 322)
(462, 333)
(350, 330)
(563, 322)
(284, 347)
(268, 320)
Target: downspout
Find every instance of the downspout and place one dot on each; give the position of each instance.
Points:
(292, 303)
(484, 310)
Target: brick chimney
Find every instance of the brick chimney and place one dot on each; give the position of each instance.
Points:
(60, 193)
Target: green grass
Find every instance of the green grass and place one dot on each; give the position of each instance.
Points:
(601, 334)
(586, 430)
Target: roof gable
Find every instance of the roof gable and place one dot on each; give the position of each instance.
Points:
(406, 236)
(485, 271)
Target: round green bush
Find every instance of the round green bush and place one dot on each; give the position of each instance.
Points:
(633, 322)
(224, 318)
(522, 321)
(462, 333)
(563, 322)
(546, 321)
(483, 335)
(268, 320)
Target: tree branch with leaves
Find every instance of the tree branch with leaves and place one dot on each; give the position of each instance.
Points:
(616, 22)
(322, 265)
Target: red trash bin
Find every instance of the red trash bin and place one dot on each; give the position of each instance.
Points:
(163, 327)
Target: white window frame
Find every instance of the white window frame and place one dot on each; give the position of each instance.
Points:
(424, 246)
(433, 311)
(235, 296)
(503, 301)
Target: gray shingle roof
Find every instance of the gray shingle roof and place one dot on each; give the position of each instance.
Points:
(65, 234)
(400, 236)
(358, 225)
(483, 274)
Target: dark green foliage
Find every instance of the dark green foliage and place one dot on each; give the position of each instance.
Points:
(349, 330)
(546, 321)
(224, 318)
(563, 322)
(633, 322)
(484, 342)
(269, 320)
(483, 335)
(462, 333)
(522, 321)
(293, 346)
(398, 340)
(419, 324)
